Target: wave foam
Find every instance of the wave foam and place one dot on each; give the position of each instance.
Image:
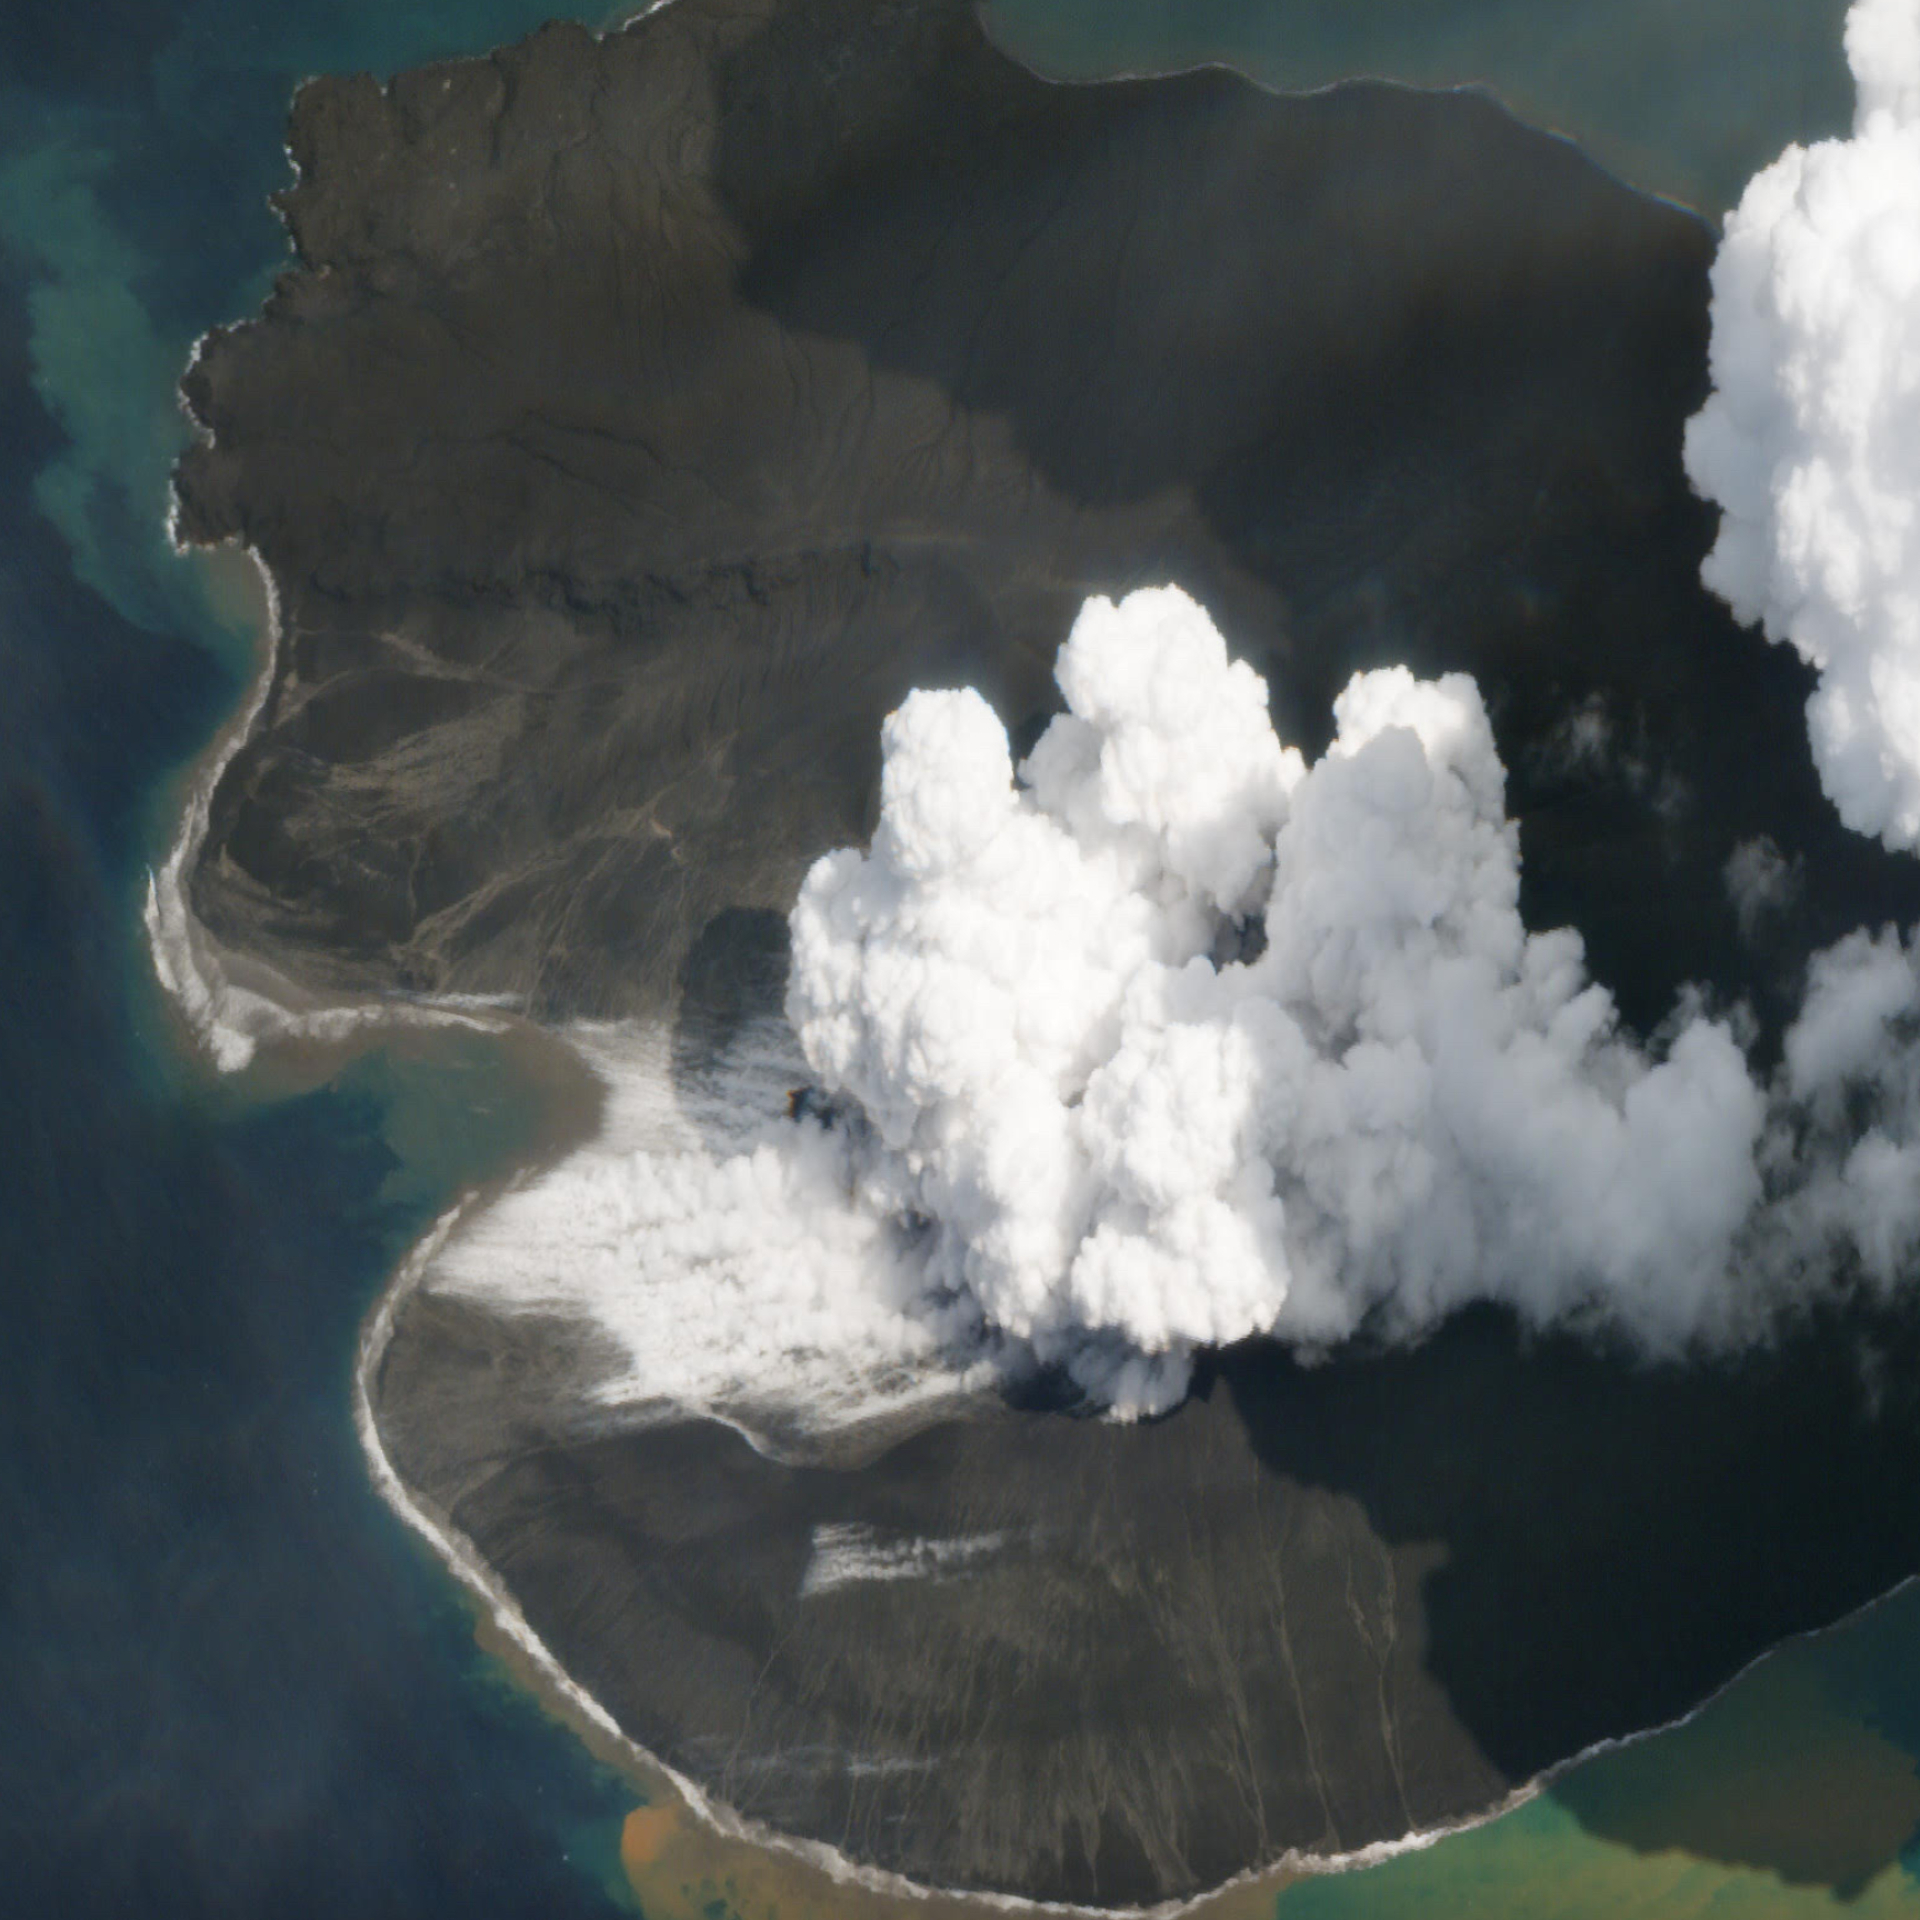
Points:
(229, 1019)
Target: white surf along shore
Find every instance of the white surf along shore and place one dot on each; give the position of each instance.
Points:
(232, 1003)
(572, 1701)
(799, 1280)
(688, 1174)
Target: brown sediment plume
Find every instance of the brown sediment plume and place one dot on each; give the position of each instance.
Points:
(235, 591)
(643, 1836)
(678, 1868)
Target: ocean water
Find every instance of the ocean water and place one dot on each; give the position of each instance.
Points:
(1685, 98)
(230, 1682)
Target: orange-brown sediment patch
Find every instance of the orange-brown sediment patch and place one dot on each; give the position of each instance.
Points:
(644, 1833)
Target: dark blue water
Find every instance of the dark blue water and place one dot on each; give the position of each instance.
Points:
(230, 1683)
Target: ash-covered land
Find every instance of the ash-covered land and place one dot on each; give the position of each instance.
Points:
(1483, 1130)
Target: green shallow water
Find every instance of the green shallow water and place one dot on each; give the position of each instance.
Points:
(1686, 98)
(136, 153)
(1794, 1793)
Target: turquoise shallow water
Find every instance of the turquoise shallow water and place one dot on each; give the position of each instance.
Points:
(1794, 1793)
(232, 1683)
(1685, 100)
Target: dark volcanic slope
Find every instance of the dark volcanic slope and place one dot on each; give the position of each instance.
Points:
(647, 415)
(1314, 1608)
(643, 418)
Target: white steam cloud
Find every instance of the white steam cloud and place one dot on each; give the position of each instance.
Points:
(1810, 443)
(1845, 1142)
(1168, 1038)
(1171, 1039)
(725, 1258)
(1127, 1141)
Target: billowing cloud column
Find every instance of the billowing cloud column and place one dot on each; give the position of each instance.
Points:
(1810, 443)
(1126, 1142)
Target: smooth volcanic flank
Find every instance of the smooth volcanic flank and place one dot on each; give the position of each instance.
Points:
(644, 417)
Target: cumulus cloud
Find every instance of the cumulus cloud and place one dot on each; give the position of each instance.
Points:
(1810, 442)
(1175, 1039)
(1883, 49)
(1761, 882)
(1844, 1142)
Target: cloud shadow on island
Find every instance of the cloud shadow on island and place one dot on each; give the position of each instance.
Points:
(1380, 376)
(1617, 1539)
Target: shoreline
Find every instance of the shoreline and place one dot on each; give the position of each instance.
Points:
(501, 1627)
(241, 1015)
(234, 1007)
(536, 1668)
(503, 1630)
(230, 1002)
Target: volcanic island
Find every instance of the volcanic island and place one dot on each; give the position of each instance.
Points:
(642, 418)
